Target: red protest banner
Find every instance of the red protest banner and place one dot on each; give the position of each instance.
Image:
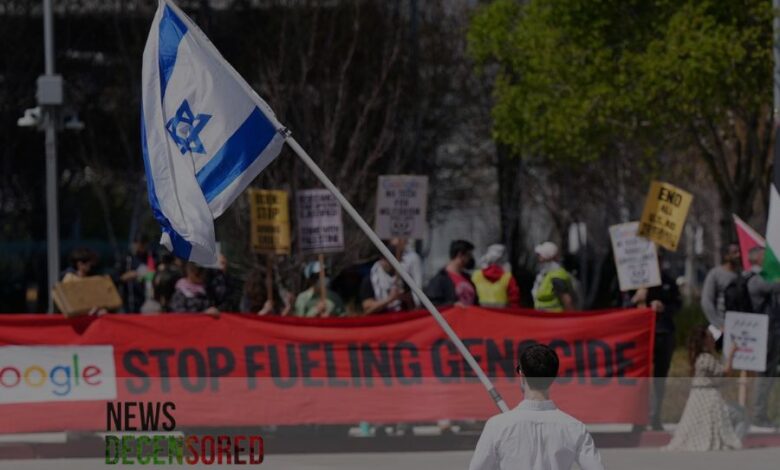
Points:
(58, 373)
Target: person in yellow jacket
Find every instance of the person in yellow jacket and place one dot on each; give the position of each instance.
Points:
(496, 287)
(553, 289)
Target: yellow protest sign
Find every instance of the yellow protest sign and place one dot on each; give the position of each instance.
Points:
(270, 221)
(663, 217)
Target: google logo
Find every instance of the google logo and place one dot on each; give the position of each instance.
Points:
(62, 377)
(44, 373)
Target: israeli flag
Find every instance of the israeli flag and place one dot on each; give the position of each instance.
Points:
(205, 133)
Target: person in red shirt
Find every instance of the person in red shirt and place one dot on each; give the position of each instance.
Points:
(452, 285)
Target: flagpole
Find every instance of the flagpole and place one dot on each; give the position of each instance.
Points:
(400, 271)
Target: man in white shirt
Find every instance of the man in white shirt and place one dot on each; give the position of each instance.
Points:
(536, 434)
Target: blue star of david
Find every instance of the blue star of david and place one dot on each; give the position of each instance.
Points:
(185, 128)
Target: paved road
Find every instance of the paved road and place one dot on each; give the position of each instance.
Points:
(615, 459)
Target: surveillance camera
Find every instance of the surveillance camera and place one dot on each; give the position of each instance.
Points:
(31, 118)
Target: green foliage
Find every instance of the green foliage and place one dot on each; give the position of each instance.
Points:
(577, 77)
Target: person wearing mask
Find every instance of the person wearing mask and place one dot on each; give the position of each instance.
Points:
(666, 302)
(191, 294)
(496, 287)
(309, 303)
(536, 435)
(452, 285)
(553, 290)
(713, 298)
(764, 297)
(383, 291)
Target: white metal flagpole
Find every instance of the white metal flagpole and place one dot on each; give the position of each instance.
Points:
(400, 270)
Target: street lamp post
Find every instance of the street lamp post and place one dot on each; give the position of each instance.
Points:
(50, 98)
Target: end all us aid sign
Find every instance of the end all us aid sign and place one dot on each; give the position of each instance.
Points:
(31, 374)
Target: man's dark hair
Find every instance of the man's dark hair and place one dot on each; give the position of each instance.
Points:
(539, 365)
(458, 247)
(726, 249)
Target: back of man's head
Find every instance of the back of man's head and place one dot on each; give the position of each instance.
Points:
(539, 365)
(460, 247)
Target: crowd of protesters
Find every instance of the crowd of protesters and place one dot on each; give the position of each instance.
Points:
(164, 284)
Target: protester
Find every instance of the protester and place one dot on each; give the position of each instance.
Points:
(713, 293)
(191, 294)
(139, 267)
(223, 287)
(82, 261)
(410, 261)
(665, 300)
(255, 297)
(495, 284)
(452, 285)
(163, 286)
(705, 424)
(536, 434)
(765, 299)
(383, 291)
(552, 289)
(309, 303)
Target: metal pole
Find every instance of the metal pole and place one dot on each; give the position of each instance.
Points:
(776, 86)
(400, 271)
(52, 225)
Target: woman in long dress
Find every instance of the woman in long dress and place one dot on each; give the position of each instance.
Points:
(705, 423)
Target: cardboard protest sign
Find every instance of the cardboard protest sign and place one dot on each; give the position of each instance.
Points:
(401, 205)
(270, 221)
(320, 227)
(636, 258)
(749, 331)
(663, 217)
(79, 297)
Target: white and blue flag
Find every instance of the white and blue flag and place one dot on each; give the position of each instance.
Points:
(205, 133)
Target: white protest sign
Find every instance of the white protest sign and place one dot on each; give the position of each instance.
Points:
(401, 204)
(635, 257)
(320, 228)
(749, 331)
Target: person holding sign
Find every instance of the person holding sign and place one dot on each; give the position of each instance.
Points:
(705, 424)
(665, 300)
(382, 290)
(765, 297)
(255, 297)
(309, 303)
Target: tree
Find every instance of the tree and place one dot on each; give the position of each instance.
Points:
(580, 80)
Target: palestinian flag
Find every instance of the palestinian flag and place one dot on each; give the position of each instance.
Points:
(771, 267)
(748, 239)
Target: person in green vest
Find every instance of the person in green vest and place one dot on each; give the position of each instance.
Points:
(553, 289)
(496, 287)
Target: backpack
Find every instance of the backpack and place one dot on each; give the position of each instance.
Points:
(736, 295)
